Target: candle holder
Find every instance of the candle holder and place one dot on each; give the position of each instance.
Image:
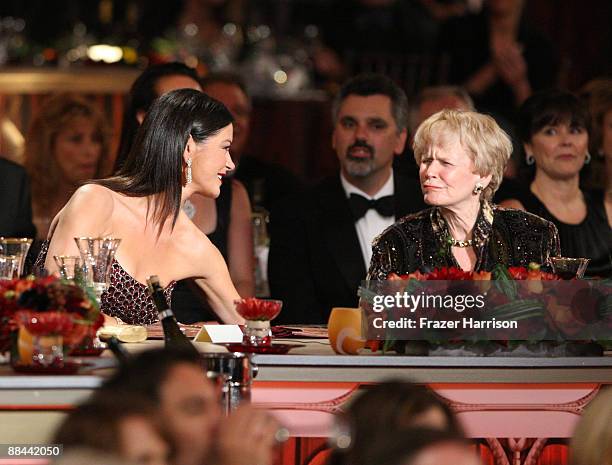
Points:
(569, 268)
(258, 313)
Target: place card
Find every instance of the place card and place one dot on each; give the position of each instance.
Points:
(219, 334)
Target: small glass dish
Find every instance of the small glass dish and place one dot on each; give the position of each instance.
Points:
(257, 314)
(569, 268)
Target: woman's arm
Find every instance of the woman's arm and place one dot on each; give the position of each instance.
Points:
(217, 284)
(87, 213)
(240, 252)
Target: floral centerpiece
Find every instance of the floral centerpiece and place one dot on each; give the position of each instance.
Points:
(49, 314)
(540, 308)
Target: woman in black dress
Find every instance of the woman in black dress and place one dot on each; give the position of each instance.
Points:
(554, 128)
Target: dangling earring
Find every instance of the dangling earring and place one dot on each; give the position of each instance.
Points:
(587, 158)
(188, 177)
(529, 159)
(477, 189)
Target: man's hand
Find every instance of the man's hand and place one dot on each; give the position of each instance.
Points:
(246, 437)
(511, 67)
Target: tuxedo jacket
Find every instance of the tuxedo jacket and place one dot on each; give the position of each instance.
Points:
(315, 260)
(15, 201)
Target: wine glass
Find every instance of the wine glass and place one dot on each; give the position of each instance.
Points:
(97, 254)
(9, 266)
(69, 266)
(568, 267)
(16, 246)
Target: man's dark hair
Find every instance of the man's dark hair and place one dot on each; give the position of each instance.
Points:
(224, 77)
(141, 97)
(145, 373)
(96, 424)
(366, 85)
(551, 107)
(154, 165)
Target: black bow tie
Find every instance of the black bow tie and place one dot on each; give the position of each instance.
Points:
(360, 205)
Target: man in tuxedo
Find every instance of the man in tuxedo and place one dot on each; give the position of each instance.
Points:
(321, 240)
(15, 201)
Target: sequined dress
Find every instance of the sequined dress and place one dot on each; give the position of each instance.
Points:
(125, 297)
(421, 241)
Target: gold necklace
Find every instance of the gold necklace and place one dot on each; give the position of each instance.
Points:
(457, 243)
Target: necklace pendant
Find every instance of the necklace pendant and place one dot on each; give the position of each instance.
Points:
(462, 244)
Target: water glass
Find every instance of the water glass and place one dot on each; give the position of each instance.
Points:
(569, 268)
(9, 266)
(97, 254)
(16, 246)
(70, 266)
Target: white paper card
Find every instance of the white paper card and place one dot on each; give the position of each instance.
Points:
(219, 334)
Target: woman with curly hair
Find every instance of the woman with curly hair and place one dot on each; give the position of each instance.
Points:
(67, 144)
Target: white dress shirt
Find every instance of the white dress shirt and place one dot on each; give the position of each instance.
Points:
(372, 223)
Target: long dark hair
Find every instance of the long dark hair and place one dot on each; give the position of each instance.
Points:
(141, 97)
(154, 164)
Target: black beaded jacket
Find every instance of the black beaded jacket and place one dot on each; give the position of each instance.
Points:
(422, 241)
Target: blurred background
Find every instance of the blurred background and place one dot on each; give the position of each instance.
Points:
(293, 54)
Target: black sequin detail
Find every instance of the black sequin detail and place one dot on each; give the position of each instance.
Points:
(505, 236)
(125, 298)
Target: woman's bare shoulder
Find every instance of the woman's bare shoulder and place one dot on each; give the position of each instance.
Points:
(90, 195)
(90, 204)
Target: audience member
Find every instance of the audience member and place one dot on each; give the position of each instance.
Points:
(374, 33)
(127, 426)
(67, 144)
(226, 220)
(181, 148)
(419, 447)
(554, 129)
(389, 409)
(265, 182)
(591, 442)
(462, 156)
(321, 241)
(190, 408)
(15, 201)
(430, 100)
(85, 455)
(498, 57)
(598, 94)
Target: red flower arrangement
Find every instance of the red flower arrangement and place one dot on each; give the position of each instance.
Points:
(254, 309)
(572, 310)
(517, 273)
(46, 306)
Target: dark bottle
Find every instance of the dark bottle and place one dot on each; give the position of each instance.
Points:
(173, 336)
(118, 351)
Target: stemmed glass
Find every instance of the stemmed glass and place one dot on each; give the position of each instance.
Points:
(569, 268)
(15, 246)
(70, 267)
(9, 266)
(97, 254)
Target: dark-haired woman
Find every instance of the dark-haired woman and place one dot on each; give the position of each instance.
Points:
(554, 128)
(226, 220)
(181, 148)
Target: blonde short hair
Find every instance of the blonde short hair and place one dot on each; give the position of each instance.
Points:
(489, 145)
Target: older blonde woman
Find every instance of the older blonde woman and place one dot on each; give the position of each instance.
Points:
(461, 157)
